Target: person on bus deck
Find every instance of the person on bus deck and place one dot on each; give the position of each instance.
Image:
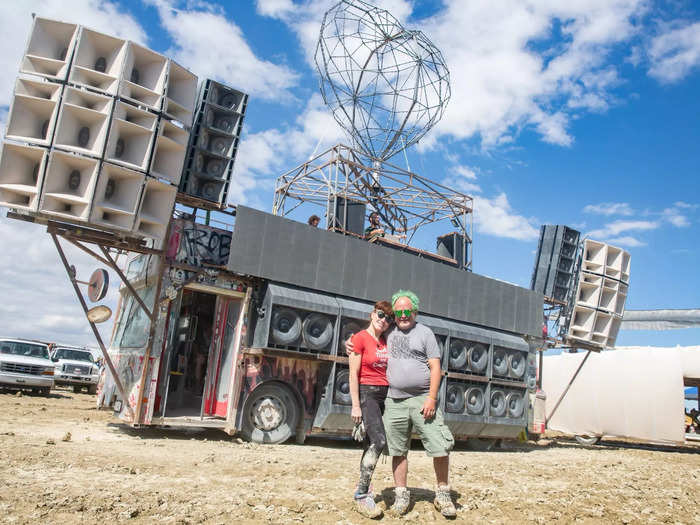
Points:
(414, 373)
(314, 220)
(374, 229)
(368, 389)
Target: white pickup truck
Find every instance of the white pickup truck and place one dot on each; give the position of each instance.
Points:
(75, 367)
(25, 365)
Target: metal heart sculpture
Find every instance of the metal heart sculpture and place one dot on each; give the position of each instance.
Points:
(386, 85)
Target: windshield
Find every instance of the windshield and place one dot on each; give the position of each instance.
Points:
(26, 349)
(75, 355)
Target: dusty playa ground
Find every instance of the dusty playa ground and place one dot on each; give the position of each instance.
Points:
(105, 472)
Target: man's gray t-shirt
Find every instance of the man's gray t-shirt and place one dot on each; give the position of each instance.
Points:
(407, 370)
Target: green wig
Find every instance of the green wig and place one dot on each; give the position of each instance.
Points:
(405, 293)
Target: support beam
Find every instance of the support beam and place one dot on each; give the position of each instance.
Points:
(561, 398)
(95, 331)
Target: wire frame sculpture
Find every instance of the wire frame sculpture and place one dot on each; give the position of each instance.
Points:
(387, 86)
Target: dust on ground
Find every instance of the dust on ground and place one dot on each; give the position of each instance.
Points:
(62, 461)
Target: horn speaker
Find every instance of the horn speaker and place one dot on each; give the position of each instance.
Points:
(98, 61)
(156, 208)
(180, 94)
(83, 122)
(130, 137)
(69, 185)
(169, 152)
(116, 197)
(49, 49)
(143, 76)
(21, 176)
(32, 117)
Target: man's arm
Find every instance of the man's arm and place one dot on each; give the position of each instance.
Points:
(430, 405)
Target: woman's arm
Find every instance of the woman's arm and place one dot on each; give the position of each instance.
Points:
(355, 361)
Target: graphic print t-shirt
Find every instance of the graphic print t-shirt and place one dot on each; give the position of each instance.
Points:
(408, 371)
(374, 358)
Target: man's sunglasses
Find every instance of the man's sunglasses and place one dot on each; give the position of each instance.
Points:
(382, 315)
(403, 313)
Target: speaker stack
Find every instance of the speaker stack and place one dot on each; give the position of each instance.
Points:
(554, 264)
(97, 131)
(599, 302)
(454, 246)
(214, 143)
(347, 215)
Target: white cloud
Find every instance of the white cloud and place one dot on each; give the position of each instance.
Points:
(509, 70)
(266, 155)
(16, 22)
(496, 217)
(615, 228)
(675, 53)
(609, 208)
(626, 241)
(676, 214)
(38, 299)
(465, 171)
(215, 47)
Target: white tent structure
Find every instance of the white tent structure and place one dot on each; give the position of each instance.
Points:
(633, 392)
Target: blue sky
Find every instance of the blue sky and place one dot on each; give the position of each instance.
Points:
(583, 113)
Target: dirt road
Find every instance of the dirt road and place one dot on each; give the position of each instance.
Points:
(105, 472)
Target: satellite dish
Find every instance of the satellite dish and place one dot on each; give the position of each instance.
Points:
(99, 314)
(97, 287)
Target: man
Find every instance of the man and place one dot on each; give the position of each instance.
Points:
(314, 220)
(374, 229)
(414, 373)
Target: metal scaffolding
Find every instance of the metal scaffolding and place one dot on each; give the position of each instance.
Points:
(405, 201)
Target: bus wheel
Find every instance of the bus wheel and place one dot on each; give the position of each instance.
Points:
(584, 439)
(270, 414)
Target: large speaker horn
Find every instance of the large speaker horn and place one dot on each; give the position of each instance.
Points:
(156, 208)
(143, 76)
(317, 331)
(98, 61)
(33, 113)
(130, 137)
(50, 48)
(454, 398)
(500, 362)
(458, 354)
(180, 94)
(285, 326)
(169, 153)
(517, 363)
(117, 197)
(221, 120)
(217, 143)
(341, 387)
(477, 357)
(21, 175)
(475, 398)
(225, 97)
(497, 403)
(69, 185)
(83, 122)
(515, 403)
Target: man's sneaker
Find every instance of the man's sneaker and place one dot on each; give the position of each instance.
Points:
(443, 502)
(365, 505)
(402, 498)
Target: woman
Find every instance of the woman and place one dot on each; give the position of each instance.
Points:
(368, 389)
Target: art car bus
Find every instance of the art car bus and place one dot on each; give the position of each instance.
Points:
(248, 330)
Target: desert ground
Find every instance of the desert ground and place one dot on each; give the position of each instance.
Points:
(62, 461)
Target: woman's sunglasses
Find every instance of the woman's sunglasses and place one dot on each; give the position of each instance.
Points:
(382, 315)
(403, 313)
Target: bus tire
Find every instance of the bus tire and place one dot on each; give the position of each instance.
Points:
(584, 439)
(270, 415)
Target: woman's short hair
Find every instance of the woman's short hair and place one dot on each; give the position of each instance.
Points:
(385, 306)
(314, 218)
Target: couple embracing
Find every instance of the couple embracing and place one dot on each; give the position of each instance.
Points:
(394, 381)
